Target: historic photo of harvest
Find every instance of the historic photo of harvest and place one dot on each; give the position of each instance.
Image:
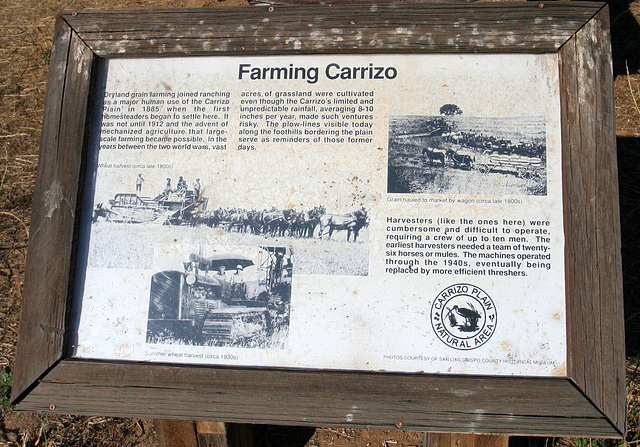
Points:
(325, 242)
(455, 154)
(238, 298)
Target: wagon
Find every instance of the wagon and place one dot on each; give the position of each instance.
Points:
(520, 165)
(132, 208)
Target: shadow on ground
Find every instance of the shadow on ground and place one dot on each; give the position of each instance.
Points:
(625, 37)
(629, 176)
(269, 435)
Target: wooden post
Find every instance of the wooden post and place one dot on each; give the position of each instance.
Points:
(173, 433)
(464, 440)
(211, 434)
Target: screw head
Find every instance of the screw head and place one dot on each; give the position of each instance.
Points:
(540, 5)
(52, 407)
(399, 424)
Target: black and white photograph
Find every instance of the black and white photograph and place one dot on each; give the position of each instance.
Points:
(239, 298)
(178, 204)
(456, 154)
(326, 243)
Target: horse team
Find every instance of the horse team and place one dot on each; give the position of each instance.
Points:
(288, 222)
(459, 159)
(461, 153)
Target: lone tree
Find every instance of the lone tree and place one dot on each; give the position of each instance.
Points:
(450, 110)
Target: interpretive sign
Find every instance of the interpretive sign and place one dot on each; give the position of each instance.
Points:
(358, 221)
(284, 211)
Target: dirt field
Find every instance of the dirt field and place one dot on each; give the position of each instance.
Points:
(25, 44)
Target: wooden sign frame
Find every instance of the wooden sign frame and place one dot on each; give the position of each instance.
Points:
(589, 401)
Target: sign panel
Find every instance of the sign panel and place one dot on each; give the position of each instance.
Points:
(352, 212)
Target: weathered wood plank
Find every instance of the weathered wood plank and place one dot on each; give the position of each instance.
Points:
(609, 216)
(48, 276)
(576, 339)
(478, 27)
(592, 229)
(37, 347)
(428, 388)
(424, 403)
(611, 376)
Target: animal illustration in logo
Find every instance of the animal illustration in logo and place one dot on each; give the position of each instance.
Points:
(463, 316)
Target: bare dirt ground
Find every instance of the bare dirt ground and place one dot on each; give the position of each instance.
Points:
(26, 27)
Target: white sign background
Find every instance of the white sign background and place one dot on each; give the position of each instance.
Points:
(376, 321)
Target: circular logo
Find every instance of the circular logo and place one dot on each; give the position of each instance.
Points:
(463, 316)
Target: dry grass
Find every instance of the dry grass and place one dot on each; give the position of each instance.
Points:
(624, 19)
(26, 27)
